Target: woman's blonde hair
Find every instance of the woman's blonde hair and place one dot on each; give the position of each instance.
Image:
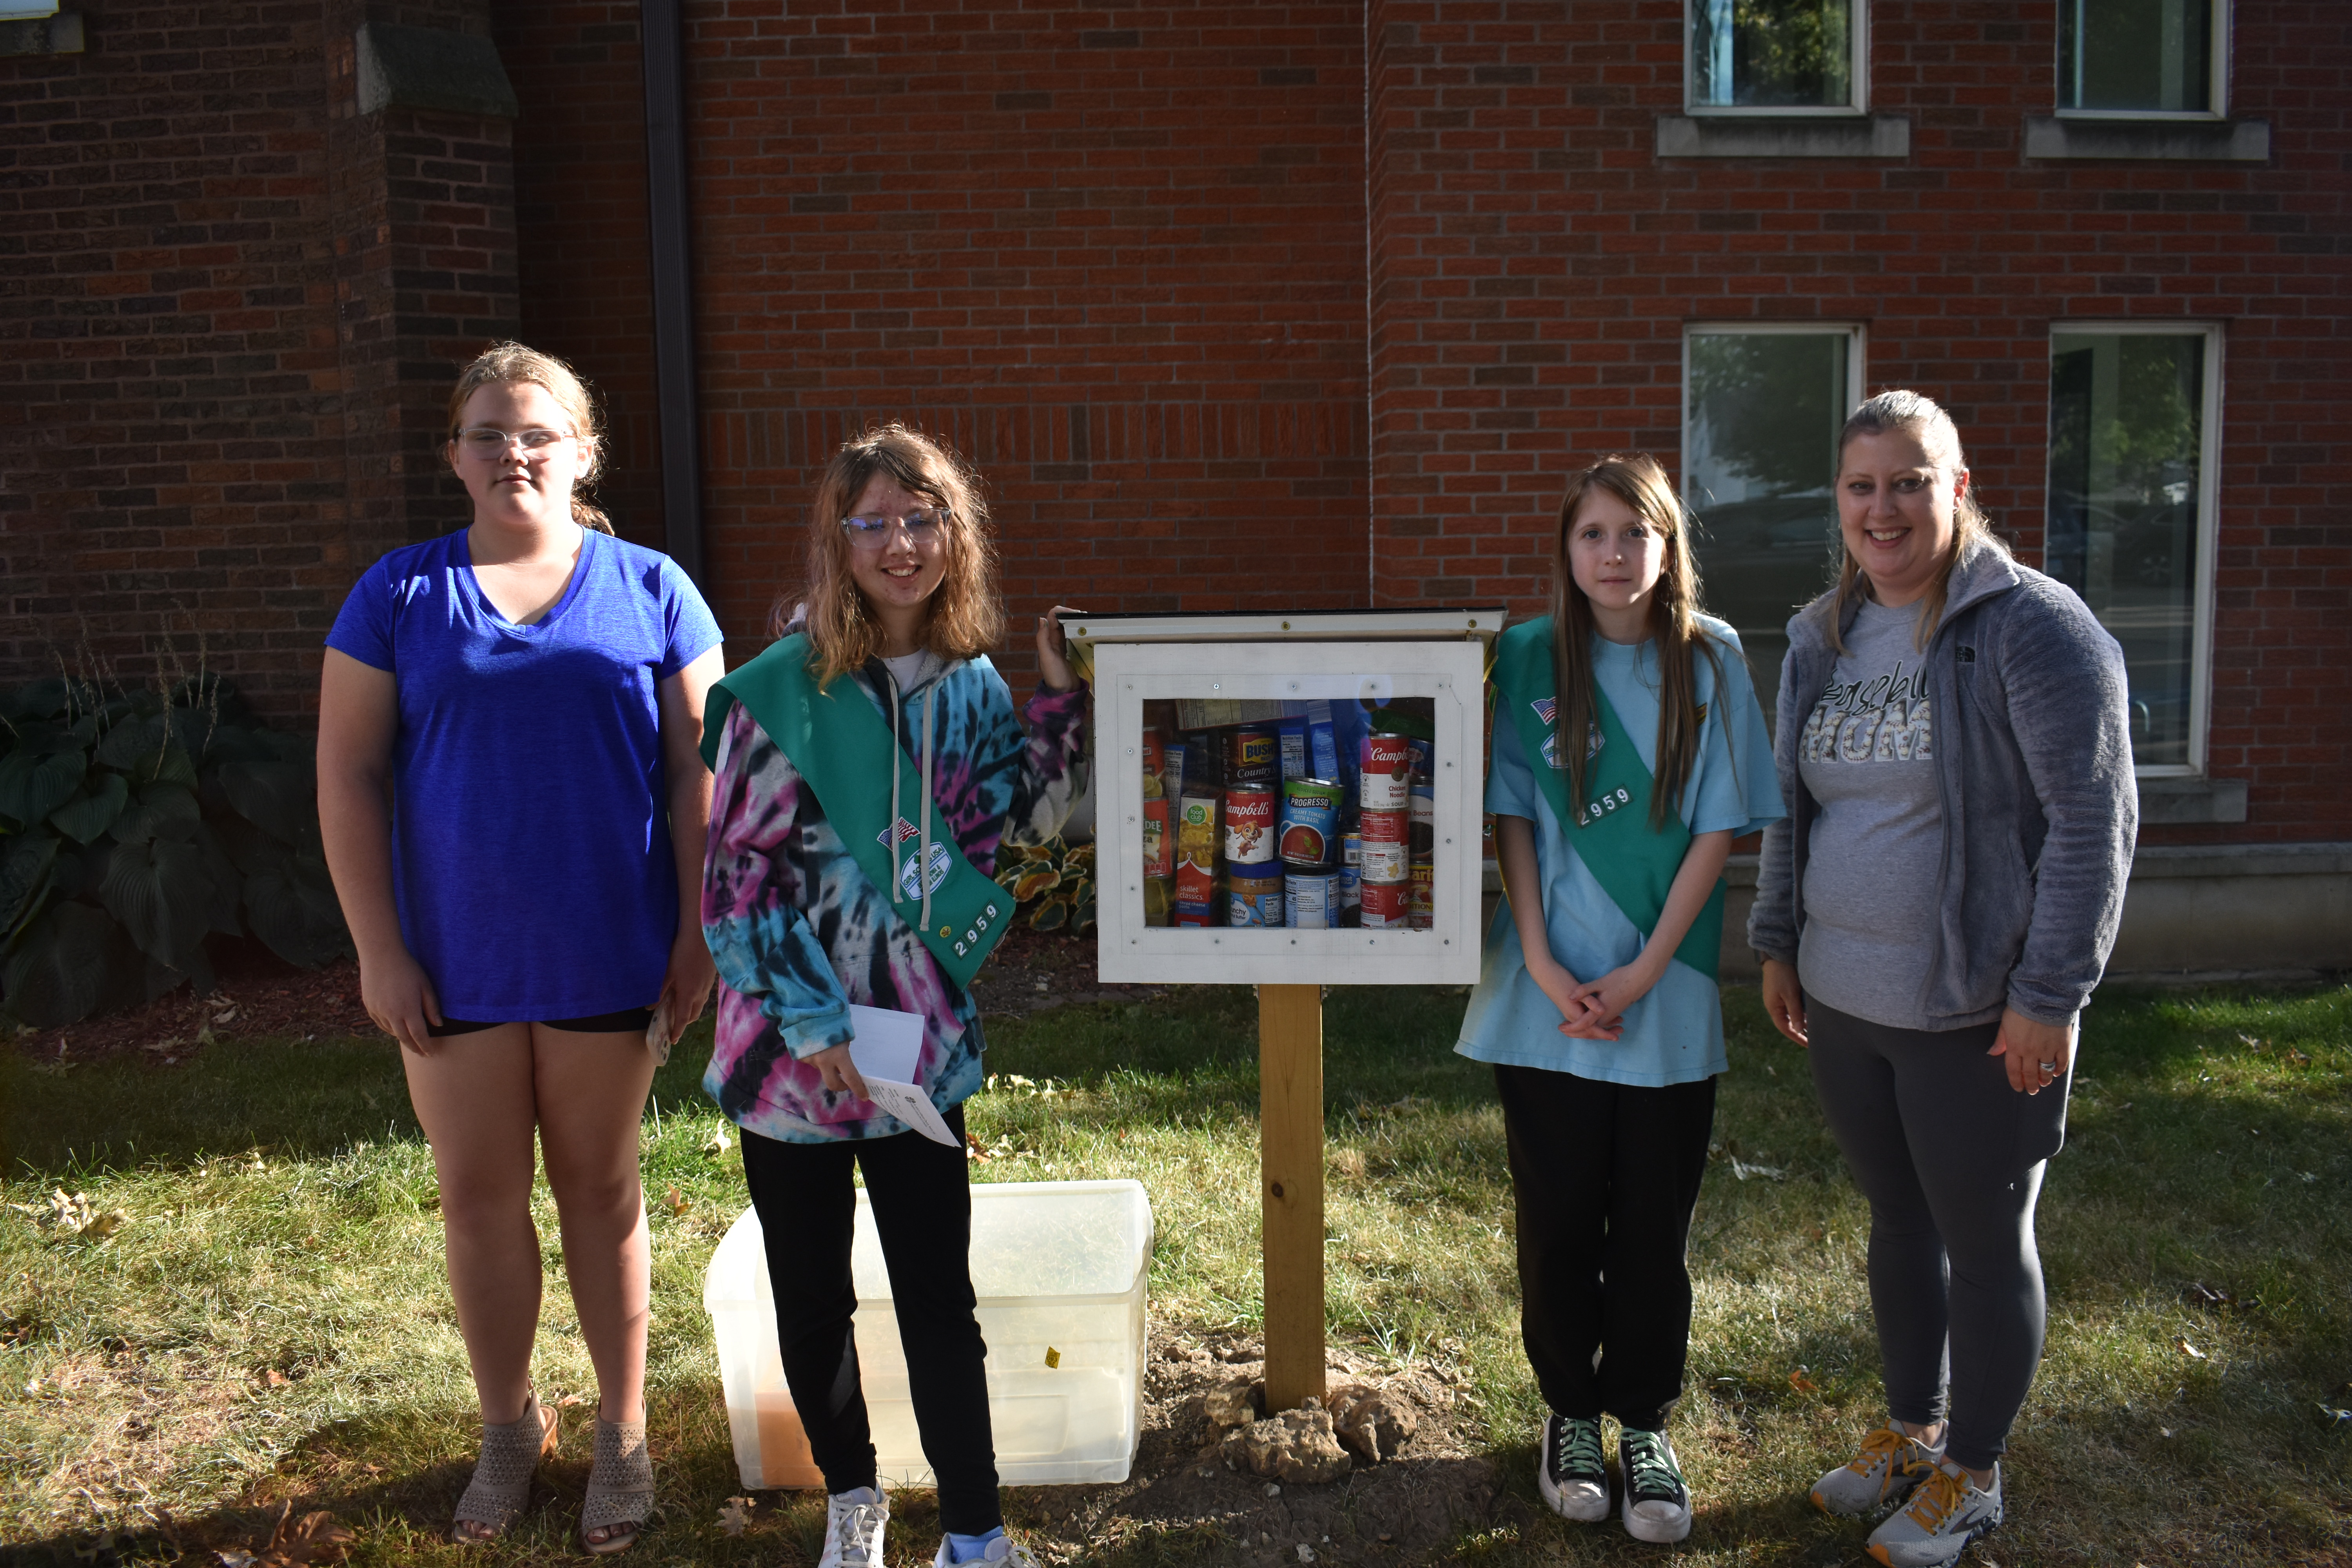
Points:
(503, 364)
(1923, 419)
(966, 618)
(1636, 479)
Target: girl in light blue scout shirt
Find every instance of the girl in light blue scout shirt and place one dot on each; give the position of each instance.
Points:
(1597, 1003)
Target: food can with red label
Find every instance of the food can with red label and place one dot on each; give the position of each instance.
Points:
(1253, 755)
(1387, 772)
(1311, 899)
(1385, 905)
(1424, 819)
(1249, 826)
(1385, 856)
(1418, 906)
(1158, 844)
(1310, 822)
(1252, 899)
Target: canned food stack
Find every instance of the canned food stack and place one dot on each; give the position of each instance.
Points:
(1257, 823)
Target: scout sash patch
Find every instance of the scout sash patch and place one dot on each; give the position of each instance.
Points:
(1633, 863)
(840, 744)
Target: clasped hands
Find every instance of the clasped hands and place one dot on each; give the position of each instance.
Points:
(1594, 1009)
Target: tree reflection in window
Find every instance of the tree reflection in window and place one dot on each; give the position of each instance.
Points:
(1771, 53)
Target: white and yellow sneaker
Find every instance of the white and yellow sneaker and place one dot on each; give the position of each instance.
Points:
(1881, 1474)
(1946, 1511)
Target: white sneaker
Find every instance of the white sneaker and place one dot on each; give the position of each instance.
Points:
(1946, 1513)
(1000, 1551)
(853, 1529)
(1657, 1504)
(1569, 1472)
(1881, 1473)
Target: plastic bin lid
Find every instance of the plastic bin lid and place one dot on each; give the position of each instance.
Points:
(1029, 1240)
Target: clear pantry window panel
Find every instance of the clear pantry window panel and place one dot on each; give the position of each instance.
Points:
(2136, 57)
(2128, 528)
(1761, 416)
(1774, 54)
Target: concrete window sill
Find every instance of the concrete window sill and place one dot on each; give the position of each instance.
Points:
(1791, 136)
(2169, 800)
(59, 34)
(2175, 141)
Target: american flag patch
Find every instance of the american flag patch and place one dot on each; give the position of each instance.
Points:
(1546, 707)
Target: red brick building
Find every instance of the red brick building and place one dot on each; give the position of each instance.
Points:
(1235, 305)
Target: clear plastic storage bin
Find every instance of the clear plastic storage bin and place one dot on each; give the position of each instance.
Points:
(1061, 1269)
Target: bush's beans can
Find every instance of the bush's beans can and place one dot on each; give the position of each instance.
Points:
(1249, 826)
(1386, 855)
(1385, 905)
(1157, 896)
(1158, 844)
(1155, 765)
(1253, 756)
(1423, 836)
(1310, 822)
(1252, 899)
(1196, 830)
(1419, 909)
(1351, 894)
(1311, 899)
(1387, 770)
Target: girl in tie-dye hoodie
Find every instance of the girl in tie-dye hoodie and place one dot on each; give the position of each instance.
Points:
(901, 601)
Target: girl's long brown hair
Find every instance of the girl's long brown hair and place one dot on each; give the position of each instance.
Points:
(1636, 479)
(503, 363)
(1926, 422)
(966, 618)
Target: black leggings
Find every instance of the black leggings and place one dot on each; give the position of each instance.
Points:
(1605, 1176)
(922, 1208)
(1951, 1159)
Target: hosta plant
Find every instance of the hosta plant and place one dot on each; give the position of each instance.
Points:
(135, 823)
(1054, 881)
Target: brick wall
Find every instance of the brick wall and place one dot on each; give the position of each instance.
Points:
(1533, 265)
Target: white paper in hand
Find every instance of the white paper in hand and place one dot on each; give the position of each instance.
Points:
(885, 1047)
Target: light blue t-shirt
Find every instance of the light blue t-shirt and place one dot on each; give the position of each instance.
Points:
(1674, 1034)
(530, 847)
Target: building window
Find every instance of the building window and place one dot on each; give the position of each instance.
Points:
(2132, 475)
(1779, 57)
(1761, 411)
(2141, 58)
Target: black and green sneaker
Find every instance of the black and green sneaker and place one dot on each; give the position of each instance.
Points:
(1657, 1504)
(1570, 1472)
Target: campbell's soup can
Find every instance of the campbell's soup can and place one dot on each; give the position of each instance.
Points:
(1310, 822)
(1158, 844)
(1253, 755)
(1351, 894)
(1254, 900)
(1311, 899)
(1386, 855)
(1249, 826)
(1419, 911)
(1385, 905)
(1423, 836)
(1386, 761)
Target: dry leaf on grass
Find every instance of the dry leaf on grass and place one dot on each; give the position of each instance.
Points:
(2191, 1352)
(295, 1542)
(734, 1518)
(677, 1203)
(718, 1143)
(1802, 1383)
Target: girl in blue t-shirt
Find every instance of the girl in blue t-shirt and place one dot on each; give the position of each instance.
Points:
(527, 692)
(1628, 752)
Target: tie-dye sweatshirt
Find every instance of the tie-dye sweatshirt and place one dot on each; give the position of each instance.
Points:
(800, 932)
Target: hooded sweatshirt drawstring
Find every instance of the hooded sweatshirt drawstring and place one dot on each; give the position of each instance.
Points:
(923, 854)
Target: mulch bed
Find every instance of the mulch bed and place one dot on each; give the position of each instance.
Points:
(257, 994)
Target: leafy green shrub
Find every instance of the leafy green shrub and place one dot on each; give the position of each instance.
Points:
(135, 823)
(1054, 881)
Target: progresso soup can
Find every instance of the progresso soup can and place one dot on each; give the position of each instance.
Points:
(1385, 905)
(1387, 772)
(1310, 822)
(1249, 826)
(1311, 899)
(1254, 900)
(1386, 855)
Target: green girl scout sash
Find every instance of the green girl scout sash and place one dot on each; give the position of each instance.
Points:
(1635, 864)
(841, 746)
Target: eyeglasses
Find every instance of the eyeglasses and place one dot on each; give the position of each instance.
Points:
(489, 442)
(922, 525)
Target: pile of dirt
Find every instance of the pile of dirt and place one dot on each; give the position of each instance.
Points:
(1192, 1482)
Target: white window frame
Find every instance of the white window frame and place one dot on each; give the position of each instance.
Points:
(2218, 90)
(1861, 65)
(2208, 520)
(1856, 356)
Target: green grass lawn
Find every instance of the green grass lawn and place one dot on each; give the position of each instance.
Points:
(269, 1323)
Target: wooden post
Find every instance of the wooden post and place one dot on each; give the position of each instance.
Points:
(1290, 1168)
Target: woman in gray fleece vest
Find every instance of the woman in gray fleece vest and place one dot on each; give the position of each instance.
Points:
(1932, 916)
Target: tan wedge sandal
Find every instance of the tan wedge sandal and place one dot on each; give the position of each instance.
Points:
(501, 1483)
(620, 1487)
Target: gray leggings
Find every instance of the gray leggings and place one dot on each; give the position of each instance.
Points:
(1950, 1158)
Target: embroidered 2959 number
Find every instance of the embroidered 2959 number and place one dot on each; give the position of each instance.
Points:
(1595, 810)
